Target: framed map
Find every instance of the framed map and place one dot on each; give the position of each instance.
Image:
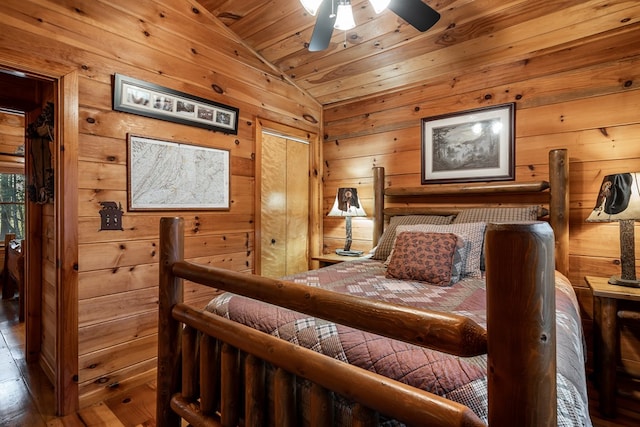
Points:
(169, 175)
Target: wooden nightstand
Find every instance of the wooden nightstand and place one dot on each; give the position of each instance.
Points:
(605, 327)
(328, 259)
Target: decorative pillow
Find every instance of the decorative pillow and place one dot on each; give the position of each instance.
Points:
(385, 244)
(459, 259)
(425, 257)
(472, 233)
(507, 214)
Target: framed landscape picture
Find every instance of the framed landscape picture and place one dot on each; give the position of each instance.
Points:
(169, 175)
(473, 145)
(147, 99)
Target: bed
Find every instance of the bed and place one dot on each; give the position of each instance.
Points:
(347, 345)
(13, 271)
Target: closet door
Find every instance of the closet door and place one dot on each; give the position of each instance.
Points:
(285, 206)
(274, 206)
(297, 256)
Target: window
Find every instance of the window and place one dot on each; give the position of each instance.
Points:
(12, 198)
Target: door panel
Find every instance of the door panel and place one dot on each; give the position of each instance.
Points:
(285, 206)
(297, 207)
(274, 206)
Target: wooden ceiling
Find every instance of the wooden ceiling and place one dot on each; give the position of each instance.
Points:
(385, 53)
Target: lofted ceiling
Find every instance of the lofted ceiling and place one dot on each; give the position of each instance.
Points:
(384, 53)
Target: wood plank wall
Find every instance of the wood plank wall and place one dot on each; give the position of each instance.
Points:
(11, 142)
(585, 98)
(41, 260)
(178, 45)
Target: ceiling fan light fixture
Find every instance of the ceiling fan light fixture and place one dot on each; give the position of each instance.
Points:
(379, 5)
(344, 16)
(311, 6)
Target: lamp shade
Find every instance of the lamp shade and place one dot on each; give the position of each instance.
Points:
(379, 5)
(344, 16)
(311, 6)
(618, 199)
(347, 203)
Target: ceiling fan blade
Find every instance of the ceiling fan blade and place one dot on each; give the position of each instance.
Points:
(418, 14)
(323, 30)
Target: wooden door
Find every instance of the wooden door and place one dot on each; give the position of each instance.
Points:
(297, 217)
(274, 206)
(284, 200)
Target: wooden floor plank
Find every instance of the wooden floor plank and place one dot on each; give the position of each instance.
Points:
(68, 421)
(16, 406)
(137, 407)
(99, 414)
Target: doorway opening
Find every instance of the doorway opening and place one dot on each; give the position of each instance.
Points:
(12, 211)
(51, 230)
(23, 101)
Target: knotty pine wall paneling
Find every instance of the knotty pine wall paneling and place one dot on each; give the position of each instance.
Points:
(585, 97)
(175, 44)
(11, 142)
(41, 303)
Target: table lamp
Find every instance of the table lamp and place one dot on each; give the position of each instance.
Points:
(619, 200)
(347, 205)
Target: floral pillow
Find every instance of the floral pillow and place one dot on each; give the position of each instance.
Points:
(424, 257)
(459, 260)
(472, 233)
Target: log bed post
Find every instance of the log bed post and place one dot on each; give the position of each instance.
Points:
(521, 325)
(559, 206)
(170, 293)
(378, 203)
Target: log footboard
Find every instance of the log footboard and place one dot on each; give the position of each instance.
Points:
(213, 371)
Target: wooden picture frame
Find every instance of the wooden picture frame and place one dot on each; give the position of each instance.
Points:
(169, 175)
(473, 145)
(150, 100)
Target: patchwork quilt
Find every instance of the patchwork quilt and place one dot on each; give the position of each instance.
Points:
(456, 378)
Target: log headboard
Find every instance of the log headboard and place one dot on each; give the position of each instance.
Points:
(555, 191)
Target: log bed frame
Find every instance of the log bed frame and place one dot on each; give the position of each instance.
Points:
(201, 356)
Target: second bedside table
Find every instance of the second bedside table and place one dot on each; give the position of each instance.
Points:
(605, 322)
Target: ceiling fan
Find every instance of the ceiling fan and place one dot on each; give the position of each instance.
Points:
(418, 14)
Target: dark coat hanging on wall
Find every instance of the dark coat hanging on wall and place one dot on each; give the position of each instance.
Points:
(41, 134)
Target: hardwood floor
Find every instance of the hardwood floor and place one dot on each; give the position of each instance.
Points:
(26, 395)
